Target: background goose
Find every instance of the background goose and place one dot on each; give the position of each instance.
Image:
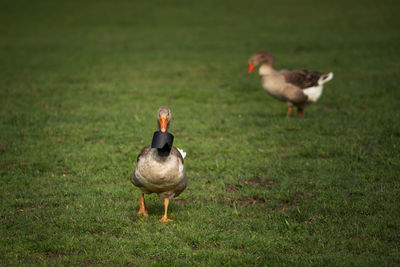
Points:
(296, 87)
(159, 167)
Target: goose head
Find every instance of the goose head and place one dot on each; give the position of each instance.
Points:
(261, 57)
(163, 118)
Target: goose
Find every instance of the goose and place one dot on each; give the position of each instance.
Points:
(298, 88)
(159, 168)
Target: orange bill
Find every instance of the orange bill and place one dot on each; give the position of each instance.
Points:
(163, 124)
(251, 67)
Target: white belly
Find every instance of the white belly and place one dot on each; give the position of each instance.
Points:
(159, 176)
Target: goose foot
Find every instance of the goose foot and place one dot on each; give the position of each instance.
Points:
(142, 209)
(300, 113)
(164, 218)
(289, 111)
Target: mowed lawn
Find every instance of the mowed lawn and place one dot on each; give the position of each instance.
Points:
(80, 85)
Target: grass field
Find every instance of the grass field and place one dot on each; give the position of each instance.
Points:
(80, 85)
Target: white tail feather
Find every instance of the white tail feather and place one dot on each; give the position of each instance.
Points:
(325, 78)
(313, 93)
(183, 153)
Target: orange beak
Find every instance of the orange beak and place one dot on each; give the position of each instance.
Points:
(251, 67)
(163, 124)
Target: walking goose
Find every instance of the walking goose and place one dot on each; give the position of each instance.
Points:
(159, 167)
(296, 87)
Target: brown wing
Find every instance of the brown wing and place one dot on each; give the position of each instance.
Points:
(133, 178)
(302, 78)
(176, 153)
(144, 151)
(182, 185)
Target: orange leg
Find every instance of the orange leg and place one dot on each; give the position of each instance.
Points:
(164, 218)
(289, 111)
(142, 208)
(300, 112)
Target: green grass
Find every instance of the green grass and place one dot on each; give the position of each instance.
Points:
(80, 85)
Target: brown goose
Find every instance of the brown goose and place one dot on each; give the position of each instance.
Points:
(296, 87)
(159, 167)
